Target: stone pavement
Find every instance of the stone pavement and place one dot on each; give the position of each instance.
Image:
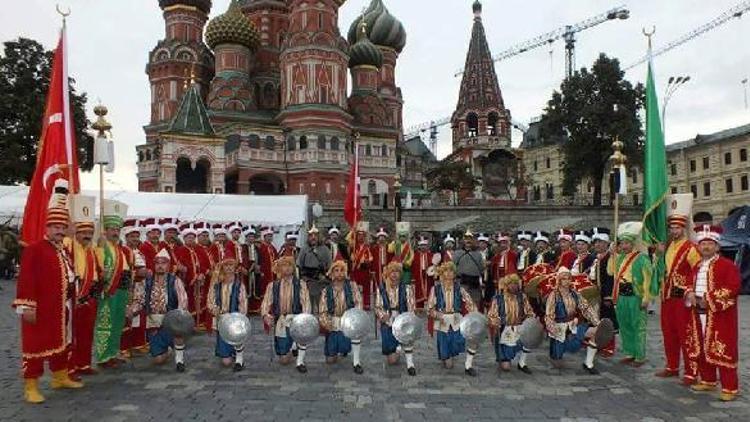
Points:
(265, 391)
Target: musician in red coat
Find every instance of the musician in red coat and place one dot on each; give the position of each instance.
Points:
(234, 242)
(251, 267)
(83, 258)
(380, 255)
(361, 256)
(45, 289)
(423, 281)
(203, 248)
(449, 248)
(566, 256)
(713, 329)
(680, 256)
(504, 260)
(153, 243)
(195, 271)
(268, 255)
(134, 333)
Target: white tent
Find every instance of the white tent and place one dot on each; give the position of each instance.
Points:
(287, 212)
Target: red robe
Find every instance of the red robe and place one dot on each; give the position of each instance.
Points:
(234, 248)
(380, 258)
(268, 256)
(204, 319)
(566, 259)
(187, 256)
(422, 282)
(502, 264)
(361, 265)
(149, 251)
(44, 284)
(719, 347)
(86, 267)
(680, 257)
(250, 262)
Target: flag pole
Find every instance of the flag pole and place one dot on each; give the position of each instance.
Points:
(67, 118)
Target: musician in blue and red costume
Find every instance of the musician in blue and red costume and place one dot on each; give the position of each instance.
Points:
(338, 297)
(394, 297)
(570, 322)
(447, 303)
(159, 294)
(284, 298)
(508, 310)
(226, 295)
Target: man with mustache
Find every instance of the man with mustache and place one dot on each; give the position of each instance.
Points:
(44, 294)
(83, 256)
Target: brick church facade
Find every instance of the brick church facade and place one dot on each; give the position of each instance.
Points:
(481, 127)
(256, 100)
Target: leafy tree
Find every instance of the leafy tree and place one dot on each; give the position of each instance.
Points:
(25, 69)
(453, 176)
(584, 112)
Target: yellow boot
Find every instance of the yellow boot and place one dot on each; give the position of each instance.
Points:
(31, 391)
(727, 396)
(60, 379)
(703, 386)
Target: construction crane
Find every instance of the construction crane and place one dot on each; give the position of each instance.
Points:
(567, 33)
(734, 12)
(433, 125)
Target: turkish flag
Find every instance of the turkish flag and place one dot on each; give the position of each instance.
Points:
(56, 154)
(352, 207)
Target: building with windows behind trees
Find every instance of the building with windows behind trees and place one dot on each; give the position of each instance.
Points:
(714, 167)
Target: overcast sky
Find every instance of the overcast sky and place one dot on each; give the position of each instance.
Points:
(109, 41)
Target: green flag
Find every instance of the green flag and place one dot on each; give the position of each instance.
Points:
(655, 182)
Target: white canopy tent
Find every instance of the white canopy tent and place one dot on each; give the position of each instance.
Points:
(284, 213)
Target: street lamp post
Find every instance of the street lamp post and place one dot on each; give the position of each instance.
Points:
(397, 197)
(744, 88)
(617, 160)
(673, 84)
(102, 155)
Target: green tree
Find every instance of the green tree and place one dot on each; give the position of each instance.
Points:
(453, 176)
(25, 68)
(590, 110)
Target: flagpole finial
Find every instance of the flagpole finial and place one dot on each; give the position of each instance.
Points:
(64, 13)
(649, 34)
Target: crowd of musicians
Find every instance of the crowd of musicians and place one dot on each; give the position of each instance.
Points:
(89, 304)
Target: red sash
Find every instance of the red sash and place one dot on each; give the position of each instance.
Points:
(626, 266)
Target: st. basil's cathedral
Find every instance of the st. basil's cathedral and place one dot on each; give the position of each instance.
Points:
(256, 101)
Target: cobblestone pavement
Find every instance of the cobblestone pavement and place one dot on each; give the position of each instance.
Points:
(266, 391)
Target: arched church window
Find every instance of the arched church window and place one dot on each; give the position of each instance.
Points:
(148, 155)
(291, 143)
(269, 98)
(384, 151)
(254, 141)
(270, 143)
(368, 150)
(335, 144)
(372, 187)
(472, 123)
(321, 142)
(303, 142)
(140, 156)
(492, 124)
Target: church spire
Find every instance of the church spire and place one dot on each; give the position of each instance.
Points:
(480, 110)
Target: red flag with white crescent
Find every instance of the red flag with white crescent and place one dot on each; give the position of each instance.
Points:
(56, 154)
